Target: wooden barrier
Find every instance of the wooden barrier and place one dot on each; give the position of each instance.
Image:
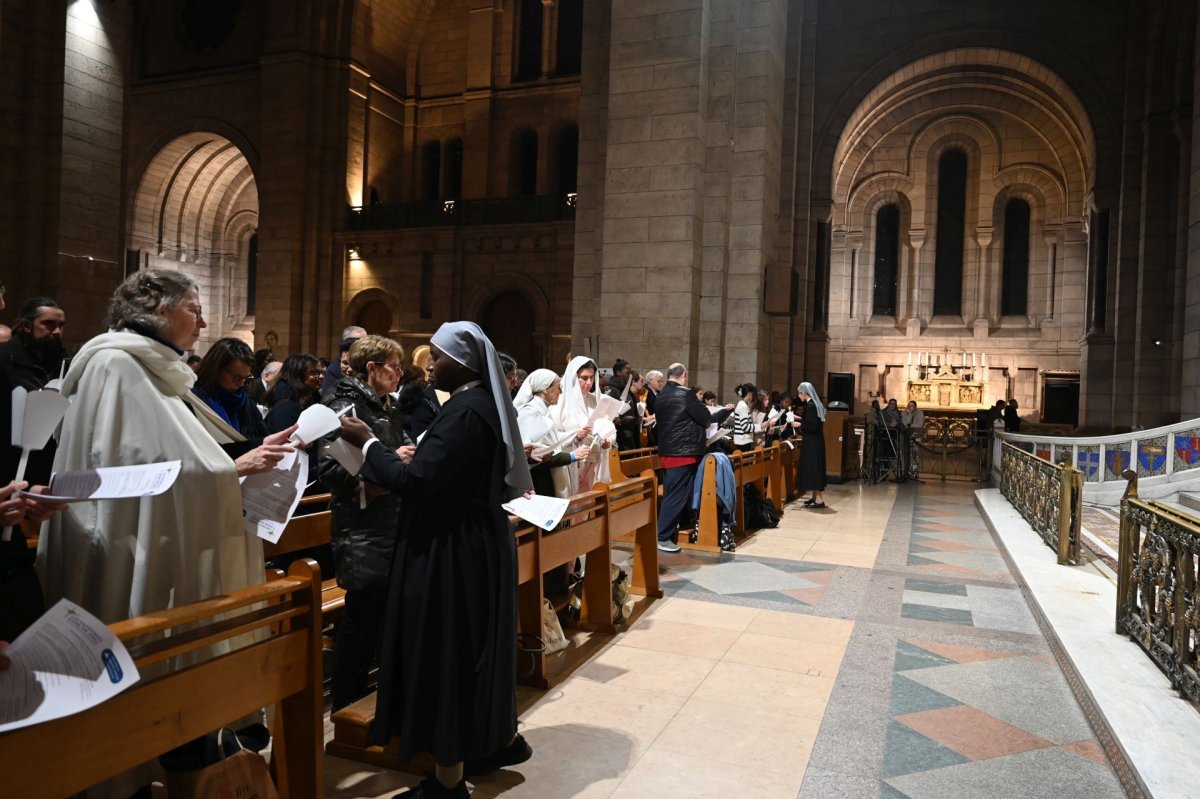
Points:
(761, 467)
(791, 466)
(632, 462)
(633, 515)
(307, 532)
(283, 667)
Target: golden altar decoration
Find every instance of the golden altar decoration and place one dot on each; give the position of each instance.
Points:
(946, 387)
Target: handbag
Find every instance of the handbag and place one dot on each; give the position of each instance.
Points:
(241, 775)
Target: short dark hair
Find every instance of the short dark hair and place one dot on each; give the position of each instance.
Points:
(710, 395)
(261, 359)
(192, 360)
(619, 365)
(346, 344)
(507, 362)
(30, 308)
(746, 388)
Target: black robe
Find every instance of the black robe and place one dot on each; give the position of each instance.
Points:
(448, 675)
(811, 475)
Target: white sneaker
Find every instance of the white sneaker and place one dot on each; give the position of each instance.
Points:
(668, 546)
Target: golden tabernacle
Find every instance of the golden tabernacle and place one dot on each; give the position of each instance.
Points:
(947, 387)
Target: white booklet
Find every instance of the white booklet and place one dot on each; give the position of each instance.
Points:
(111, 482)
(545, 512)
(67, 662)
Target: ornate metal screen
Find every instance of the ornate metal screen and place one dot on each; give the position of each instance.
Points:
(1048, 496)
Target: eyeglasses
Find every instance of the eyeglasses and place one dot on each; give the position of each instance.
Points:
(246, 378)
(318, 372)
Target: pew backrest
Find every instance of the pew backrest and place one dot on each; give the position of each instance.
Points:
(270, 632)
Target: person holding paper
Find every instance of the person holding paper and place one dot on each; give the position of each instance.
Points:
(537, 396)
(448, 679)
(572, 414)
(743, 417)
(364, 517)
(131, 403)
(811, 474)
(624, 385)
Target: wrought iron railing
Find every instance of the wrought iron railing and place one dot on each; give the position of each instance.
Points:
(1157, 576)
(449, 213)
(1048, 496)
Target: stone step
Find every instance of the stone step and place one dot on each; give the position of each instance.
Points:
(1189, 500)
(352, 734)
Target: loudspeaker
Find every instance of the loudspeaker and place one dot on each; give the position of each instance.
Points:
(840, 389)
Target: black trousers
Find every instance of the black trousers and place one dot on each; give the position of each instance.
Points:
(677, 495)
(357, 641)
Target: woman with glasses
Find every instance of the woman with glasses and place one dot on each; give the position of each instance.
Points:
(221, 382)
(302, 375)
(365, 517)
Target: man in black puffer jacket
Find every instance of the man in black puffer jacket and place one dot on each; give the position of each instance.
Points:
(681, 420)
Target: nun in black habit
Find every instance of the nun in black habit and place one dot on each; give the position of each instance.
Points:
(811, 475)
(448, 672)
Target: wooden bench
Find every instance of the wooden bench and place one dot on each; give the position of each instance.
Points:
(282, 667)
(307, 532)
(761, 467)
(632, 462)
(624, 509)
(791, 466)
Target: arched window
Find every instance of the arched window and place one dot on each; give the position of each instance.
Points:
(523, 168)
(529, 40)
(568, 160)
(887, 257)
(951, 230)
(1014, 281)
(570, 37)
(431, 171)
(454, 169)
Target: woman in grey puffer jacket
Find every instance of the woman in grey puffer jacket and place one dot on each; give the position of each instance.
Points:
(364, 518)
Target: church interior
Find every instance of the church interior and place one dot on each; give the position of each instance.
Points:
(953, 203)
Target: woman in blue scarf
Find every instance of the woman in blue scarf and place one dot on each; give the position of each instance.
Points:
(221, 381)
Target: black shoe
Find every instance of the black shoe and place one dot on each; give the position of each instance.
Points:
(816, 506)
(516, 752)
(808, 503)
(430, 788)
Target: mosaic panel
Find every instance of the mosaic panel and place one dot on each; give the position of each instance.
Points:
(1087, 460)
(1116, 460)
(1187, 449)
(1152, 456)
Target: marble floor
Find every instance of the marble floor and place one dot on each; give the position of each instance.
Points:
(878, 648)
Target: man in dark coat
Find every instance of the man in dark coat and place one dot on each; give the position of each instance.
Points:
(447, 680)
(336, 371)
(682, 422)
(629, 423)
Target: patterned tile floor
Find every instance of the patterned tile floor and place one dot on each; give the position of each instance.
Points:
(880, 649)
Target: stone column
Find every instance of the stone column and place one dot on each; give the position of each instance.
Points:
(917, 320)
(482, 20)
(549, 37)
(1190, 366)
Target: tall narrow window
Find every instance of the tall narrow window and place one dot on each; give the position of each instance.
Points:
(454, 169)
(887, 256)
(431, 171)
(252, 275)
(529, 40)
(426, 289)
(1014, 284)
(523, 169)
(951, 230)
(570, 37)
(568, 160)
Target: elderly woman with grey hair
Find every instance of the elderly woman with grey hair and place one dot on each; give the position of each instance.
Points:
(131, 403)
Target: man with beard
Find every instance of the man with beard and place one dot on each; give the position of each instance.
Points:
(30, 360)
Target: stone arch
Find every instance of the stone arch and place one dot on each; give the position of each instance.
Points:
(194, 209)
(996, 60)
(478, 298)
(884, 183)
(360, 301)
(1040, 183)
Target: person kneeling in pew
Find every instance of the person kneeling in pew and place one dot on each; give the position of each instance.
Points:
(448, 678)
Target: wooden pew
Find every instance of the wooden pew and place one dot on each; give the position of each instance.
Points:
(283, 667)
(633, 515)
(791, 465)
(762, 467)
(632, 462)
(306, 532)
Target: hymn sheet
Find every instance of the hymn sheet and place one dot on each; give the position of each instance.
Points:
(269, 500)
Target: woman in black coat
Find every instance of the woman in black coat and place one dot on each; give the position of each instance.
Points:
(812, 448)
(448, 678)
(364, 521)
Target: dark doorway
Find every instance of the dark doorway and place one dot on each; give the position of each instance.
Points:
(1060, 401)
(509, 322)
(376, 318)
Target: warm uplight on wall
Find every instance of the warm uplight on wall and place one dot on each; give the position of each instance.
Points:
(572, 198)
(448, 206)
(352, 251)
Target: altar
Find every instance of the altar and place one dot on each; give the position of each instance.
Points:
(947, 387)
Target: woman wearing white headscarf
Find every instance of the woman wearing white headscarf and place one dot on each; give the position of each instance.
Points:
(535, 402)
(580, 394)
(811, 475)
(448, 671)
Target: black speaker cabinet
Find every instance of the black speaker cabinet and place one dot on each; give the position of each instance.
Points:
(840, 389)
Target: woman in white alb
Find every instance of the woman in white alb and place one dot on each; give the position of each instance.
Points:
(534, 403)
(580, 395)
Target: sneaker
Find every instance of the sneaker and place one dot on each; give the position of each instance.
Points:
(516, 752)
(668, 546)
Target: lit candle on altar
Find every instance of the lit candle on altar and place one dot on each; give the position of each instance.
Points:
(910, 357)
(985, 360)
(974, 360)
(964, 358)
